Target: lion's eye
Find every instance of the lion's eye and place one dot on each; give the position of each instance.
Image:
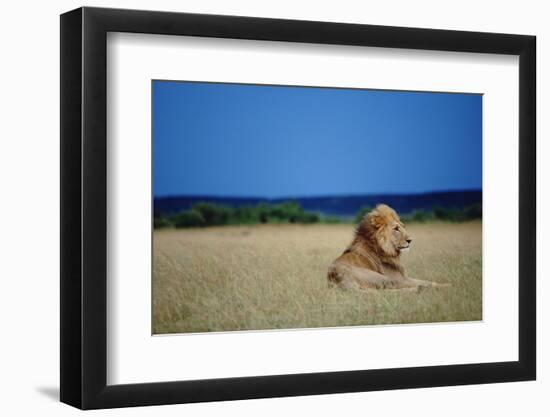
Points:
(396, 228)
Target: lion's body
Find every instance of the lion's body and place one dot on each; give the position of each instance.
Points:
(372, 260)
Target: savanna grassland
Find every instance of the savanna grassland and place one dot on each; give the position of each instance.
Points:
(274, 277)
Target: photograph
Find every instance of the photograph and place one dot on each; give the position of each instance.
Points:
(279, 204)
(279, 207)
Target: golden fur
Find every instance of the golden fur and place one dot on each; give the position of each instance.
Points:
(372, 260)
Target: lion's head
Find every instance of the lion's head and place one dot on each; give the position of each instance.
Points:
(383, 228)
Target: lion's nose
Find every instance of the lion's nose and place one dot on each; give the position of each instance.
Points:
(409, 240)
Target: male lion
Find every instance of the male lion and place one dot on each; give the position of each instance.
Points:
(372, 261)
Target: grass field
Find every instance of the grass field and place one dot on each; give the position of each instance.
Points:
(274, 277)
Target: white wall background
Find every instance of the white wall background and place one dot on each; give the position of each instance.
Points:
(29, 226)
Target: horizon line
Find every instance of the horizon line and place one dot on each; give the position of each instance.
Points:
(287, 197)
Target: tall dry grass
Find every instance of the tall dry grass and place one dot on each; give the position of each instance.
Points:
(274, 277)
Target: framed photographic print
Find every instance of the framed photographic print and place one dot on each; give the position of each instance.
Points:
(258, 207)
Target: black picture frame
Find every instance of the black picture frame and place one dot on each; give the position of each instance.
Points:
(84, 207)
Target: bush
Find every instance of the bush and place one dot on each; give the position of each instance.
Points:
(439, 213)
(244, 215)
(263, 211)
(474, 212)
(212, 214)
(450, 214)
(331, 220)
(309, 217)
(420, 216)
(459, 215)
(288, 211)
(160, 221)
(190, 218)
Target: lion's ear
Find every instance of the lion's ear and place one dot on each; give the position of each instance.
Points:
(376, 220)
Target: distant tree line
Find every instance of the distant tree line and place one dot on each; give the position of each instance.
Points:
(203, 214)
(449, 214)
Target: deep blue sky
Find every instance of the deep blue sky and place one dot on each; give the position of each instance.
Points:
(266, 141)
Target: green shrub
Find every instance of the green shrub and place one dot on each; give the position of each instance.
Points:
(458, 215)
(263, 211)
(420, 216)
(439, 213)
(450, 214)
(244, 215)
(474, 211)
(288, 211)
(190, 218)
(160, 221)
(309, 217)
(213, 215)
(331, 220)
